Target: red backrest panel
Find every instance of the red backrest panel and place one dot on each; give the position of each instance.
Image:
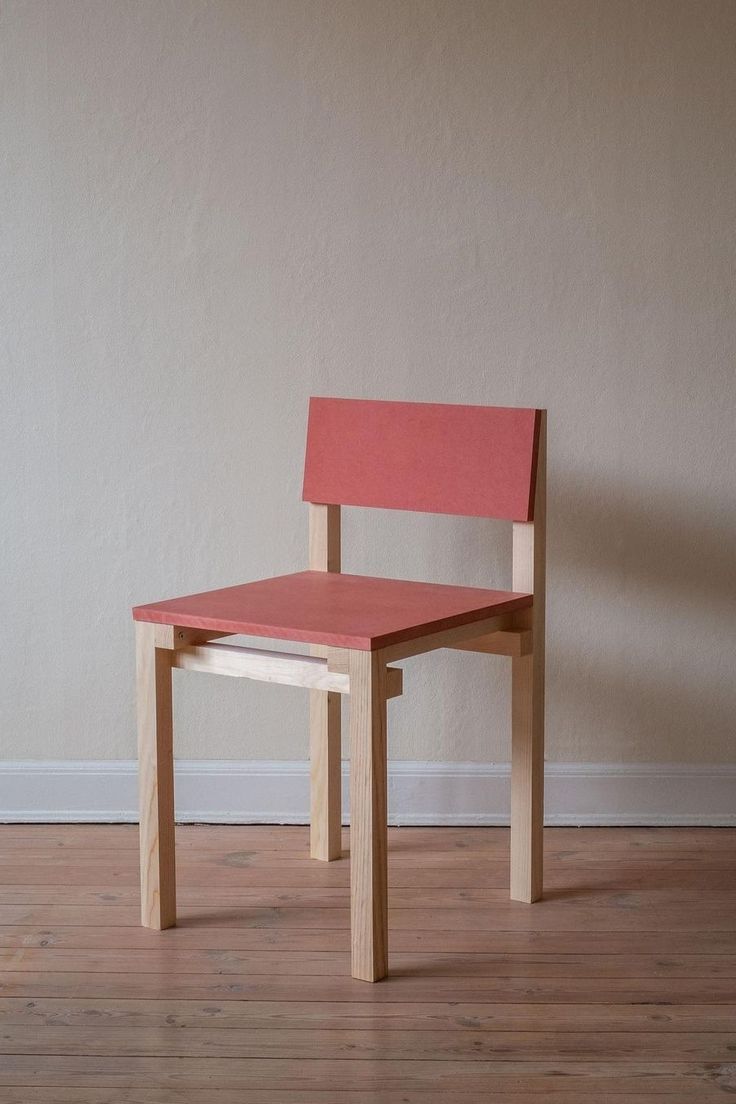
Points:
(478, 461)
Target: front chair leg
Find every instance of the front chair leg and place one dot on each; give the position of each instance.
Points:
(527, 777)
(155, 780)
(368, 816)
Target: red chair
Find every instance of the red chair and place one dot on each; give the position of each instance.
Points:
(471, 460)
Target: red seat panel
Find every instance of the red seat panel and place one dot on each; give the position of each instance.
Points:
(437, 458)
(319, 607)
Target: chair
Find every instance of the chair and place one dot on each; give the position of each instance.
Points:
(468, 460)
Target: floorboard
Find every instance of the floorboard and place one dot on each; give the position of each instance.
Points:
(619, 987)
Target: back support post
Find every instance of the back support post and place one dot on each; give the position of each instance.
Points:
(325, 752)
(527, 698)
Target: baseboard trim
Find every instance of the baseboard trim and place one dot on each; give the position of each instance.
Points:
(277, 792)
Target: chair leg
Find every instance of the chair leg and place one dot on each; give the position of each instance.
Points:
(155, 781)
(527, 777)
(326, 775)
(368, 817)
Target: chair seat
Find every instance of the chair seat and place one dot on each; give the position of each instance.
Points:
(345, 611)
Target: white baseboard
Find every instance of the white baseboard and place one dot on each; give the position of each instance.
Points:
(277, 792)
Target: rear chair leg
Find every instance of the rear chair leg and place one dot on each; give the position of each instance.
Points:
(326, 775)
(155, 780)
(527, 777)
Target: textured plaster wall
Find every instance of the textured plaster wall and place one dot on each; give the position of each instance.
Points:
(213, 209)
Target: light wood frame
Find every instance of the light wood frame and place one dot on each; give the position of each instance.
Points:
(329, 673)
(325, 708)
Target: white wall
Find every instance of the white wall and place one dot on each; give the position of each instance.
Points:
(214, 208)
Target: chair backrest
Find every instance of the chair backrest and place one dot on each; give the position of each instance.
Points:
(476, 461)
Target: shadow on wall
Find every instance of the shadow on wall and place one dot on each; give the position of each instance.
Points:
(650, 576)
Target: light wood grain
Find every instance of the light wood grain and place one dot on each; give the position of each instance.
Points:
(594, 919)
(325, 762)
(569, 879)
(293, 1015)
(527, 699)
(262, 665)
(198, 936)
(449, 638)
(155, 780)
(324, 537)
(409, 853)
(574, 843)
(182, 1095)
(594, 1077)
(172, 637)
(325, 709)
(334, 963)
(376, 1044)
(368, 816)
(94, 984)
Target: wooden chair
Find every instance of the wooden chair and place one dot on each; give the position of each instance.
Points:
(468, 460)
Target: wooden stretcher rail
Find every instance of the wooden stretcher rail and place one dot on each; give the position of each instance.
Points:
(288, 668)
(511, 642)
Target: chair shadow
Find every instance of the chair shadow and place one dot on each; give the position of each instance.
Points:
(656, 572)
(641, 600)
(257, 917)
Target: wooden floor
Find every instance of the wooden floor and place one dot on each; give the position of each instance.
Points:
(619, 987)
